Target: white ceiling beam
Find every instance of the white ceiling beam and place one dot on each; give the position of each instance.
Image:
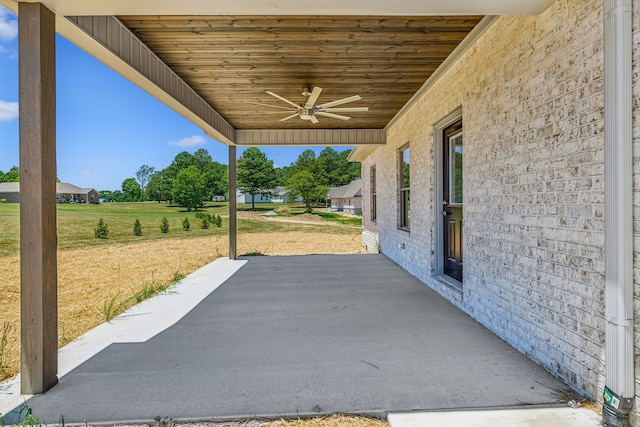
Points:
(293, 7)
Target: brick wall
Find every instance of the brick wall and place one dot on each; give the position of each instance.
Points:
(532, 97)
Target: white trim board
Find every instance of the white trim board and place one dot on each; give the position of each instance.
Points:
(294, 7)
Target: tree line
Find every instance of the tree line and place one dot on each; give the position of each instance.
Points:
(308, 177)
(192, 179)
(188, 181)
(12, 175)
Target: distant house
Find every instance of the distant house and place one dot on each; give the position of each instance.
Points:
(282, 195)
(10, 191)
(65, 193)
(246, 198)
(347, 198)
(69, 193)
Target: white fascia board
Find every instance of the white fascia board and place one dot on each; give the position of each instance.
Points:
(294, 7)
(361, 152)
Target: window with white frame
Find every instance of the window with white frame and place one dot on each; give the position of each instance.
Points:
(405, 188)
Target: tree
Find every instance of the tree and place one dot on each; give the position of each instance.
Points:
(131, 191)
(215, 174)
(255, 174)
(217, 180)
(306, 161)
(336, 170)
(12, 175)
(158, 187)
(282, 174)
(144, 174)
(202, 159)
(106, 195)
(117, 196)
(102, 230)
(304, 184)
(188, 188)
(137, 228)
(164, 225)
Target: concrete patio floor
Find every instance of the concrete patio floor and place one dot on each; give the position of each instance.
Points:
(294, 336)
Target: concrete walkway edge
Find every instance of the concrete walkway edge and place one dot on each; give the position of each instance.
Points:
(527, 417)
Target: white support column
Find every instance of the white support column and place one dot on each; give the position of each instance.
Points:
(619, 342)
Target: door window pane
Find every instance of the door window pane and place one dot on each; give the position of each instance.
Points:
(455, 169)
(374, 207)
(405, 188)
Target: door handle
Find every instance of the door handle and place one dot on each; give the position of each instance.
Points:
(444, 213)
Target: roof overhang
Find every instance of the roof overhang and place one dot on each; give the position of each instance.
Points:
(92, 25)
(291, 7)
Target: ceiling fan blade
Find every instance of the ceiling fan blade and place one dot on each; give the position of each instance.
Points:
(290, 117)
(333, 116)
(268, 105)
(313, 119)
(262, 113)
(284, 99)
(340, 101)
(346, 110)
(311, 100)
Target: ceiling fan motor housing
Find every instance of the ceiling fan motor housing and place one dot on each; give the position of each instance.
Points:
(305, 114)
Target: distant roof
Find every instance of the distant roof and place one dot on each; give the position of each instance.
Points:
(66, 188)
(281, 191)
(9, 187)
(353, 189)
(61, 187)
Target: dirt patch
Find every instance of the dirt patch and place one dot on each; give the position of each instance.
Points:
(249, 215)
(305, 218)
(90, 277)
(309, 217)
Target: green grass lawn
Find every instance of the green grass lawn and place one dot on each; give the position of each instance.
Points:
(76, 223)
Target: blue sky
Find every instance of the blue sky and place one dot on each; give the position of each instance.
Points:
(106, 126)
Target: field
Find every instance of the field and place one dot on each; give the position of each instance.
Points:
(97, 278)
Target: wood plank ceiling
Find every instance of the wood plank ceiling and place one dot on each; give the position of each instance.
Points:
(230, 59)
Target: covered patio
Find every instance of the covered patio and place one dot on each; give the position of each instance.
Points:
(296, 336)
(206, 62)
(220, 66)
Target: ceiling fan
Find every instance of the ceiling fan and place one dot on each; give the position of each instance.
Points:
(308, 110)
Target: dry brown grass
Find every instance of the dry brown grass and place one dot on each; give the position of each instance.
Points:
(336, 420)
(89, 277)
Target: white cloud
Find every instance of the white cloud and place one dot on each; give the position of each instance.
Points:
(84, 172)
(8, 25)
(8, 111)
(190, 141)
